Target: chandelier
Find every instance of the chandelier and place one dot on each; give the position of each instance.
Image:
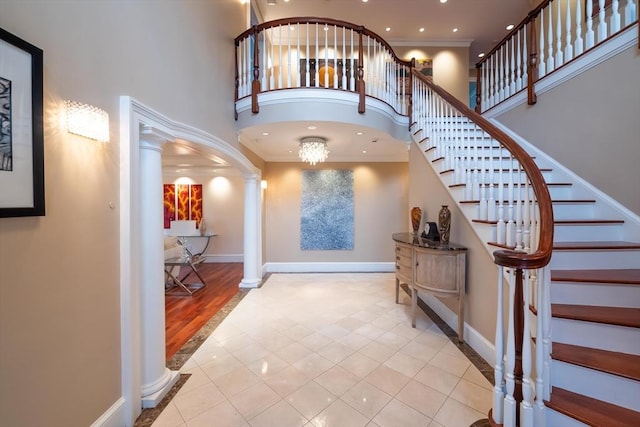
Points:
(313, 149)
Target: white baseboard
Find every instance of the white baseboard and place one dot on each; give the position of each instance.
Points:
(476, 341)
(224, 258)
(113, 417)
(329, 267)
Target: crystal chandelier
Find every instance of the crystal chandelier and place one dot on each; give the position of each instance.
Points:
(313, 149)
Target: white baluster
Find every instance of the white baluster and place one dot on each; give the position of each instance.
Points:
(504, 85)
(511, 229)
(326, 57)
(602, 23)
(521, 64)
(317, 70)
(568, 49)
(509, 401)
(476, 174)
(512, 67)
(280, 61)
(289, 67)
(344, 58)
(629, 12)
(525, 57)
(352, 84)
(526, 233)
(559, 56)
(336, 78)
(539, 414)
(498, 368)
(263, 66)
(579, 42)
(526, 408)
(550, 61)
(590, 37)
(546, 329)
(491, 201)
(307, 74)
(542, 65)
(500, 226)
(518, 212)
(614, 20)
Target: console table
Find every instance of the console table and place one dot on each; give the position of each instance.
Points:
(429, 266)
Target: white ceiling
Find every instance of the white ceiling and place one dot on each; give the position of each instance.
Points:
(481, 24)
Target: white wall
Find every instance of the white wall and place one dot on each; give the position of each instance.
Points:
(59, 274)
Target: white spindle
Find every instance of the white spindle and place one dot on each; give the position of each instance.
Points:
(317, 70)
(272, 81)
(503, 73)
(526, 408)
(512, 67)
(525, 56)
(289, 67)
(518, 212)
(352, 84)
(498, 368)
(550, 60)
(526, 233)
(542, 65)
(629, 12)
(602, 23)
(579, 42)
(509, 400)
(280, 61)
(590, 36)
(336, 78)
(307, 74)
(500, 226)
(568, 48)
(614, 20)
(559, 56)
(546, 330)
(298, 56)
(491, 201)
(326, 57)
(522, 65)
(539, 414)
(511, 230)
(344, 58)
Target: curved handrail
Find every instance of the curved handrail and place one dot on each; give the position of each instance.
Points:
(504, 257)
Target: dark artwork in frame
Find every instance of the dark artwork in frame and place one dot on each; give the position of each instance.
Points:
(596, 7)
(21, 146)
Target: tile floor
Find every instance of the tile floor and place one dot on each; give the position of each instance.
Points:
(323, 350)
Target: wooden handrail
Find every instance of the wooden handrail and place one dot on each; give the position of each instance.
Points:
(512, 258)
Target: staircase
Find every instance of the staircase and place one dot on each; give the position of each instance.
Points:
(594, 373)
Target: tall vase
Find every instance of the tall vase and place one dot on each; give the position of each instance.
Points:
(444, 224)
(416, 217)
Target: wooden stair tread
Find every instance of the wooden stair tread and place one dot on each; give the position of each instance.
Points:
(629, 276)
(591, 411)
(574, 201)
(617, 244)
(612, 362)
(565, 221)
(620, 316)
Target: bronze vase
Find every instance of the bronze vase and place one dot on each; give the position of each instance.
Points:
(416, 217)
(444, 224)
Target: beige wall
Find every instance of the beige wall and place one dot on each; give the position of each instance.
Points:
(450, 67)
(591, 124)
(427, 192)
(59, 274)
(380, 202)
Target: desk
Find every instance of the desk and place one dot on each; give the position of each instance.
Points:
(188, 289)
(428, 266)
(184, 240)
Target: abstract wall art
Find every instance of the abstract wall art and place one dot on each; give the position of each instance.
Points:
(182, 202)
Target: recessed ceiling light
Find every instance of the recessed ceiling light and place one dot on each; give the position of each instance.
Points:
(311, 127)
(421, 30)
(388, 29)
(480, 55)
(443, 1)
(359, 133)
(455, 30)
(364, 151)
(271, 2)
(364, 1)
(510, 27)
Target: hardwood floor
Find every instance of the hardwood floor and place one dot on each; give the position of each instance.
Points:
(185, 315)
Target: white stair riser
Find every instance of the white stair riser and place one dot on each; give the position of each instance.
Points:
(586, 232)
(596, 335)
(598, 385)
(568, 260)
(595, 294)
(556, 419)
(574, 210)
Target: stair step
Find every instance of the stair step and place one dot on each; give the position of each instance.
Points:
(620, 316)
(575, 201)
(629, 276)
(604, 245)
(563, 221)
(446, 171)
(496, 185)
(612, 362)
(591, 411)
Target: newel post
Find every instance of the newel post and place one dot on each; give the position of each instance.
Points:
(255, 84)
(532, 65)
(236, 83)
(478, 108)
(518, 317)
(361, 84)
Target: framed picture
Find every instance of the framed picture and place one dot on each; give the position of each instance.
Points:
(21, 128)
(595, 7)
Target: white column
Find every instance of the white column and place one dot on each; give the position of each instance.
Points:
(157, 379)
(252, 241)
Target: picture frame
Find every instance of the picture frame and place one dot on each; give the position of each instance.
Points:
(21, 128)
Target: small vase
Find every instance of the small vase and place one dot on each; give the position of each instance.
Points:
(416, 217)
(444, 224)
(203, 227)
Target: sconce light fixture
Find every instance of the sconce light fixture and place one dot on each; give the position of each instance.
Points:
(86, 120)
(313, 149)
(264, 184)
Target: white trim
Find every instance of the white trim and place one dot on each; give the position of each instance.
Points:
(329, 267)
(224, 258)
(430, 43)
(619, 43)
(473, 338)
(151, 400)
(113, 417)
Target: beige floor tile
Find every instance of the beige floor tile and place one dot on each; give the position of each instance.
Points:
(220, 366)
(359, 364)
(393, 340)
(313, 365)
(339, 414)
(297, 332)
(293, 352)
(250, 353)
(236, 342)
(366, 398)
(315, 341)
(437, 379)
(455, 414)
(223, 414)
(370, 331)
(335, 352)
(355, 341)
(475, 376)
(435, 341)
(351, 323)
(422, 398)
(397, 414)
(473, 396)
(279, 415)
(419, 351)
(267, 365)
(451, 364)
(198, 400)
(286, 381)
(388, 380)
(236, 381)
(376, 351)
(405, 364)
(169, 417)
(311, 399)
(253, 400)
(337, 380)
(197, 379)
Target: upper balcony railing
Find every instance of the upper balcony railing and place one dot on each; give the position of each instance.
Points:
(320, 53)
(553, 34)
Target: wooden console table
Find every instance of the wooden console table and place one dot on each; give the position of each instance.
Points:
(428, 266)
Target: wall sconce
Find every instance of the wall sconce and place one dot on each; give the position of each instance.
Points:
(263, 184)
(86, 120)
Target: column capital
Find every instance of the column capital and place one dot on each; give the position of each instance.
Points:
(153, 138)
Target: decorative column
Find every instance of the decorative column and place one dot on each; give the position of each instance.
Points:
(156, 379)
(252, 241)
